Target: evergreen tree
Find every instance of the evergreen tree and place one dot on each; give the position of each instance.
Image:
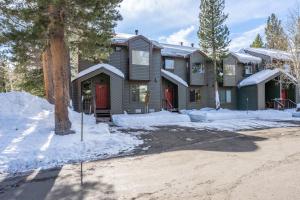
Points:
(275, 35)
(4, 77)
(32, 27)
(257, 43)
(213, 34)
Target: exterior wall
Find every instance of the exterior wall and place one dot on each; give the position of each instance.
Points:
(203, 101)
(230, 80)
(139, 72)
(198, 78)
(261, 96)
(249, 92)
(234, 97)
(180, 67)
(210, 85)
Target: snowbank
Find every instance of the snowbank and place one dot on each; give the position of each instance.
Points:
(147, 120)
(27, 140)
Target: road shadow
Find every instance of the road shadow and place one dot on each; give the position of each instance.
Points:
(174, 138)
(41, 186)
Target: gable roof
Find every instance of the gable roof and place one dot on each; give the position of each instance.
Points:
(178, 50)
(246, 58)
(272, 53)
(174, 77)
(265, 75)
(123, 38)
(100, 66)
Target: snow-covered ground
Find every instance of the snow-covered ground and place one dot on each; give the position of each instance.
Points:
(146, 121)
(27, 140)
(207, 118)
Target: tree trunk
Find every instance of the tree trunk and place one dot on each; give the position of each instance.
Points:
(60, 71)
(217, 98)
(48, 75)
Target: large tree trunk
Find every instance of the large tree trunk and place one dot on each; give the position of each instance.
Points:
(60, 71)
(48, 75)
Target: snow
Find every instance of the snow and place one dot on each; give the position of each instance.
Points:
(177, 50)
(175, 77)
(99, 66)
(246, 58)
(262, 76)
(148, 120)
(273, 53)
(27, 139)
(228, 120)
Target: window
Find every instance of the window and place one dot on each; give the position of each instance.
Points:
(140, 57)
(198, 68)
(195, 95)
(225, 96)
(229, 69)
(138, 93)
(248, 69)
(169, 64)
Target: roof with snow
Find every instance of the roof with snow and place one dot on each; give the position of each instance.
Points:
(124, 37)
(100, 66)
(174, 77)
(264, 75)
(177, 50)
(246, 58)
(272, 53)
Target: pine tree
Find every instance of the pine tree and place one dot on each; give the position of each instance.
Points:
(213, 34)
(32, 27)
(275, 35)
(4, 79)
(257, 43)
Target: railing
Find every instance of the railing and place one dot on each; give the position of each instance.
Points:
(282, 104)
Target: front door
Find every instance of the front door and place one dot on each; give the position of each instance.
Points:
(169, 97)
(283, 94)
(102, 96)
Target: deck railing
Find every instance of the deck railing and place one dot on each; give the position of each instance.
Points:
(282, 104)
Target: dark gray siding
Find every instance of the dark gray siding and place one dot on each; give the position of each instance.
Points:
(197, 78)
(75, 95)
(233, 104)
(249, 92)
(230, 80)
(119, 59)
(139, 72)
(180, 67)
(203, 102)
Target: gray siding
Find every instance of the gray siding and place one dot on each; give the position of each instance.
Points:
(139, 72)
(198, 78)
(180, 67)
(249, 92)
(233, 104)
(231, 80)
(203, 102)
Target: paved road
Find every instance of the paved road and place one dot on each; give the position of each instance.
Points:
(181, 164)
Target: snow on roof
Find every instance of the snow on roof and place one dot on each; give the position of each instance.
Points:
(262, 76)
(175, 77)
(124, 37)
(246, 58)
(273, 53)
(177, 50)
(99, 66)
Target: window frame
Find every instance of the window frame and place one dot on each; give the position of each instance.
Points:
(198, 68)
(137, 89)
(248, 67)
(232, 70)
(169, 60)
(137, 57)
(196, 96)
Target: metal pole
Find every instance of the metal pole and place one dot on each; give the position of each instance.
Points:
(247, 105)
(81, 119)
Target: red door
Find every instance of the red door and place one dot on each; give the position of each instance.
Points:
(169, 97)
(283, 94)
(102, 96)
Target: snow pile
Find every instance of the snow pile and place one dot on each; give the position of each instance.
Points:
(175, 77)
(147, 120)
(246, 58)
(229, 120)
(99, 66)
(27, 139)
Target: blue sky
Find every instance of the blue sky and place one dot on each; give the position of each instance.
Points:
(175, 21)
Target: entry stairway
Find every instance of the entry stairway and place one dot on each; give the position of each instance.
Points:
(282, 104)
(102, 115)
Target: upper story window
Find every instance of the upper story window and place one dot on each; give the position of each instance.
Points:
(140, 57)
(229, 70)
(198, 68)
(248, 69)
(169, 64)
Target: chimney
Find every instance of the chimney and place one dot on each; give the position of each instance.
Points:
(181, 43)
(136, 32)
(192, 45)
